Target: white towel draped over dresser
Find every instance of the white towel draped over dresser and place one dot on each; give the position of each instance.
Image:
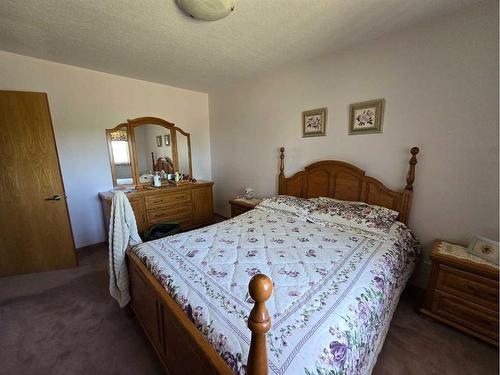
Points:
(122, 231)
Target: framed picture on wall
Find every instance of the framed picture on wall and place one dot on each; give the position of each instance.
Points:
(314, 122)
(366, 117)
(158, 141)
(167, 139)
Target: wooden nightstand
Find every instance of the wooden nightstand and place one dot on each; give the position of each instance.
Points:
(242, 205)
(463, 291)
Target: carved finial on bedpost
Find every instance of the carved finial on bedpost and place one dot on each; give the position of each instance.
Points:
(281, 177)
(282, 160)
(259, 322)
(410, 177)
(404, 213)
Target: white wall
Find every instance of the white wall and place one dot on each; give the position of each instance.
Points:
(83, 103)
(439, 81)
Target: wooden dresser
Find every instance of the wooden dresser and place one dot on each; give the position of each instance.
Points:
(189, 205)
(463, 292)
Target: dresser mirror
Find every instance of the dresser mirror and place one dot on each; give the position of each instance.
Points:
(149, 146)
(183, 151)
(119, 156)
(153, 146)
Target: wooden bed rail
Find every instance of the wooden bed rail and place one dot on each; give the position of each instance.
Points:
(260, 289)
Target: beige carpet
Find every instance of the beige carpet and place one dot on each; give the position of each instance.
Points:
(65, 322)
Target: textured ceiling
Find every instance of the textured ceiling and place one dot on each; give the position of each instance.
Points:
(153, 40)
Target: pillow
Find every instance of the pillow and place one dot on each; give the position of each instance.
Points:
(322, 201)
(355, 214)
(286, 203)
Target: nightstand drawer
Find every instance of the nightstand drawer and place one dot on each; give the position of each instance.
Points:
(240, 205)
(238, 210)
(466, 314)
(472, 287)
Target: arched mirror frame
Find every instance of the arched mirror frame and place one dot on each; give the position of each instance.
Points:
(188, 136)
(131, 125)
(111, 155)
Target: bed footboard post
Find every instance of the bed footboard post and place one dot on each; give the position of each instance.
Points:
(259, 322)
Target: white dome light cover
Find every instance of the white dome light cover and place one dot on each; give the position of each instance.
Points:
(207, 10)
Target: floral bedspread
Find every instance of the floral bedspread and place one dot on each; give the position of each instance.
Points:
(335, 288)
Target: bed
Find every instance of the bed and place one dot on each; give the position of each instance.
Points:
(334, 286)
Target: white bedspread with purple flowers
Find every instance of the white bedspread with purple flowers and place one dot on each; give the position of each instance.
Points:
(335, 288)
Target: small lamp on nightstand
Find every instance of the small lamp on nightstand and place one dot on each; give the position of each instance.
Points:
(248, 193)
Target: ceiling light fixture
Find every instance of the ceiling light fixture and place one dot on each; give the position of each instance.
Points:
(207, 10)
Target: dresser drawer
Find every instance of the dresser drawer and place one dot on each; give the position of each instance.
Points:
(474, 288)
(167, 199)
(466, 314)
(169, 213)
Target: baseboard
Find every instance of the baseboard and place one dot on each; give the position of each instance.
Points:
(219, 217)
(415, 289)
(98, 244)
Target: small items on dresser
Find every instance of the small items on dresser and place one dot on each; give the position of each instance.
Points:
(240, 205)
(463, 291)
(156, 180)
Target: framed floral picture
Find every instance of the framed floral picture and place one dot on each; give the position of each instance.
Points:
(314, 122)
(167, 139)
(158, 141)
(366, 117)
(484, 248)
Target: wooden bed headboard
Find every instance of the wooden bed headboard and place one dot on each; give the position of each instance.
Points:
(340, 180)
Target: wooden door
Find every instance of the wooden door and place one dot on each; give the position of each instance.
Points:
(203, 210)
(35, 231)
